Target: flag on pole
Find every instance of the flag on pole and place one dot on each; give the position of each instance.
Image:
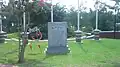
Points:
(41, 0)
(42, 3)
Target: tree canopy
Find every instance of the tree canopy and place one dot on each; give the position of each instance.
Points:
(40, 16)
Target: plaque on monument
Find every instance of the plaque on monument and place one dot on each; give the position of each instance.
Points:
(57, 38)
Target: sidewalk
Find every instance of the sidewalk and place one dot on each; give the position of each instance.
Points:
(69, 39)
(14, 39)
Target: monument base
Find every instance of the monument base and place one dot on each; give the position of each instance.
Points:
(78, 36)
(2, 40)
(3, 35)
(97, 34)
(57, 50)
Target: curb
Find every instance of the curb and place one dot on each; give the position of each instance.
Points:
(35, 40)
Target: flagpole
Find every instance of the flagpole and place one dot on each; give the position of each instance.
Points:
(96, 15)
(78, 17)
(78, 32)
(51, 11)
(96, 31)
(1, 16)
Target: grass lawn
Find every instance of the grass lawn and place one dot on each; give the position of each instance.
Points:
(105, 53)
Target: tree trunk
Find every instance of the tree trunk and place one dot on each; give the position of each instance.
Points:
(22, 46)
(21, 53)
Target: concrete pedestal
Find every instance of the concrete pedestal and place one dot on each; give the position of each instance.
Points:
(3, 36)
(57, 38)
(97, 34)
(58, 50)
(78, 35)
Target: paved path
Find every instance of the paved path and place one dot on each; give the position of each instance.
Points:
(6, 65)
(70, 39)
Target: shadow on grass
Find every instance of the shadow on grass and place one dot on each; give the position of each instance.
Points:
(116, 64)
(52, 55)
(82, 48)
(4, 58)
(1, 46)
(27, 63)
(34, 53)
(11, 52)
(109, 64)
(103, 44)
(8, 62)
(48, 56)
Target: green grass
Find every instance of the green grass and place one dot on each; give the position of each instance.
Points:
(104, 53)
(13, 35)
